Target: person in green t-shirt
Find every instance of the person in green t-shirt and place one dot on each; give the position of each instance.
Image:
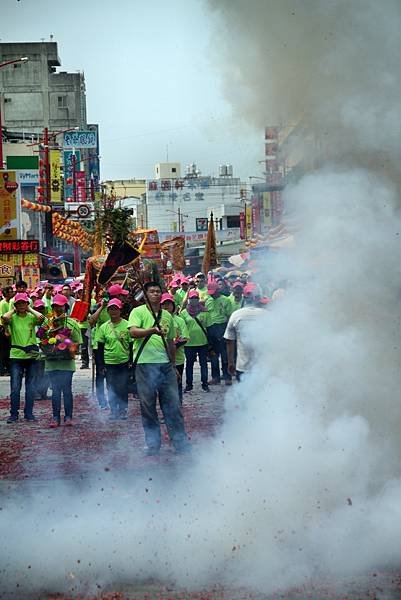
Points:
(22, 320)
(154, 353)
(5, 343)
(114, 347)
(61, 370)
(181, 338)
(236, 297)
(219, 309)
(197, 320)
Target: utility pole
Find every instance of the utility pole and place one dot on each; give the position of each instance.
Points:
(48, 215)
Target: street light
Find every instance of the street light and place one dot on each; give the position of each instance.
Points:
(4, 64)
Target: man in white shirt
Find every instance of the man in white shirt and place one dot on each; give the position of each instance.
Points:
(238, 335)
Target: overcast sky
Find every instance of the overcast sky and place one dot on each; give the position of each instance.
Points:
(151, 81)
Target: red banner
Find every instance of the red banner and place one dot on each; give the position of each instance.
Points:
(242, 225)
(81, 186)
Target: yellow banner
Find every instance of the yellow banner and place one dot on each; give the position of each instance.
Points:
(55, 179)
(31, 275)
(267, 210)
(248, 221)
(8, 206)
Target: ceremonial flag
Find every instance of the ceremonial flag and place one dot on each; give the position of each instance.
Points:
(174, 250)
(121, 254)
(210, 256)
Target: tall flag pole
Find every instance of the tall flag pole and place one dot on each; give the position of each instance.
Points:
(210, 256)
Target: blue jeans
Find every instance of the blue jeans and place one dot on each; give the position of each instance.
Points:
(117, 387)
(160, 380)
(61, 383)
(216, 337)
(190, 355)
(19, 367)
(99, 379)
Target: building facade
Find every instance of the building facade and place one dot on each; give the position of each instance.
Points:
(33, 95)
(183, 204)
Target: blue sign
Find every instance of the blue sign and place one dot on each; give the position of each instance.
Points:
(80, 139)
(68, 172)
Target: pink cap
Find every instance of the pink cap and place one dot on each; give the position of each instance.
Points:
(174, 284)
(33, 294)
(264, 300)
(38, 304)
(166, 297)
(116, 289)
(21, 297)
(193, 294)
(57, 288)
(251, 289)
(212, 288)
(184, 280)
(237, 283)
(60, 300)
(115, 302)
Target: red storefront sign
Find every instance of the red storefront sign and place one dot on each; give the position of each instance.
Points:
(81, 186)
(242, 225)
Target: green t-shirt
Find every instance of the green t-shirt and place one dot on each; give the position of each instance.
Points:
(203, 295)
(235, 305)
(219, 309)
(103, 318)
(178, 297)
(116, 340)
(196, 335)
(154, 350)
(181, 331)
(76, 337)
(4, 306)
(23, 333)
(48, 304)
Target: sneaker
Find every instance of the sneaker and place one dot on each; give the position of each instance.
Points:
(188, 388)
(54, 423)
(30, 418)
(12, 419)
(214, 382)
(205, 387)
(68, 422)
(228, 382)
(151, 451)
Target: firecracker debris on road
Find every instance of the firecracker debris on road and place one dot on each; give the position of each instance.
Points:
(33, 455)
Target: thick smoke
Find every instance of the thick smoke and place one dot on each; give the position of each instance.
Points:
(332, 67)
(302, 481)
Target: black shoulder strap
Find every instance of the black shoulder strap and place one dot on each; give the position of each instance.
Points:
(200, 325)
(145, 340)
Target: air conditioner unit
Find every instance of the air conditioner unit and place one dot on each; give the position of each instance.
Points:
(80, 210)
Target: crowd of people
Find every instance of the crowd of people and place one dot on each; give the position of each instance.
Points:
(146, 350)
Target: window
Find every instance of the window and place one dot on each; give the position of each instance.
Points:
(61, 101)
(7, 100)
(232, 221)
(17, 65)
(173, 170)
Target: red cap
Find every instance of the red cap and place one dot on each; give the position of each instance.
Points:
(60, 300)
(21, 297)
(193, 294)
(166, 297)
(116, 289)
(38, 304)
(251, 289)
(115, 302)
